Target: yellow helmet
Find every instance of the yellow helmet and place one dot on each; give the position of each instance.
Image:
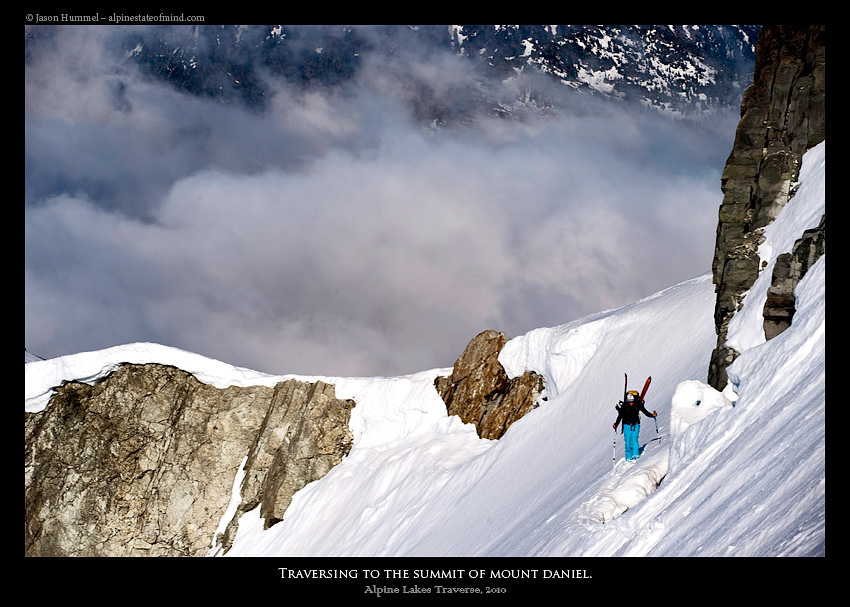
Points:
(631, 396)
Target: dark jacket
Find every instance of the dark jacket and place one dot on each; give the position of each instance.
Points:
(629, 413)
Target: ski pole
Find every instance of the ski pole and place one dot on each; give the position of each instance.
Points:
(614, 451)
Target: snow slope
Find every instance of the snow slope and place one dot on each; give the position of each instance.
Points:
(741, 473)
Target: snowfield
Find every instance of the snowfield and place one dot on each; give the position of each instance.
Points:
(738, 473)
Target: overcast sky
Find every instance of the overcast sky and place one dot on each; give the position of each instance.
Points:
(331, 233)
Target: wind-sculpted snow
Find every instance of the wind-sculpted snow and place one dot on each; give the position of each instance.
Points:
(559, 354)
(628, 485)
(692, 402)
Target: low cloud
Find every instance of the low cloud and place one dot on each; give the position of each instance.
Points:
(333, 233)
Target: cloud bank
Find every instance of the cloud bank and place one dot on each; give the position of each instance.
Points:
(333, 232)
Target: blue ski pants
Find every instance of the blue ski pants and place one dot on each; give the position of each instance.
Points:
(630, 434)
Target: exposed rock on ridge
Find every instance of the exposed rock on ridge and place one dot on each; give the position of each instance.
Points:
(480, 392)
(782, 116)
(788, 271)
(143, 463)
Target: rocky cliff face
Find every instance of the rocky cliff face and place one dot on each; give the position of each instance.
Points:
(782, 116)
(480, 392)
(144, 462)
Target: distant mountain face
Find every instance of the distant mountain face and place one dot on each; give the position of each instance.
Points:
(672, 67)
(676, 68)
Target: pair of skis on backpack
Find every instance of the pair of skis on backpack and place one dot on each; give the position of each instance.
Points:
(643, 392)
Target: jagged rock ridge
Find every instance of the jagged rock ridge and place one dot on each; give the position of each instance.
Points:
(146, 461)
(143, 463)
(782, 116)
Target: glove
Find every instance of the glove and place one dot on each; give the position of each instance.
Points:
(614, 426)
(654, 414)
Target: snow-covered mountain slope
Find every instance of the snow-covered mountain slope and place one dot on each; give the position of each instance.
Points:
(673, 68)
(741, 473)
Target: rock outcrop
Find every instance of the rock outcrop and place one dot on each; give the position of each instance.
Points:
(788, 271)
(144, 462)
(782, 116)
(480, 392)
